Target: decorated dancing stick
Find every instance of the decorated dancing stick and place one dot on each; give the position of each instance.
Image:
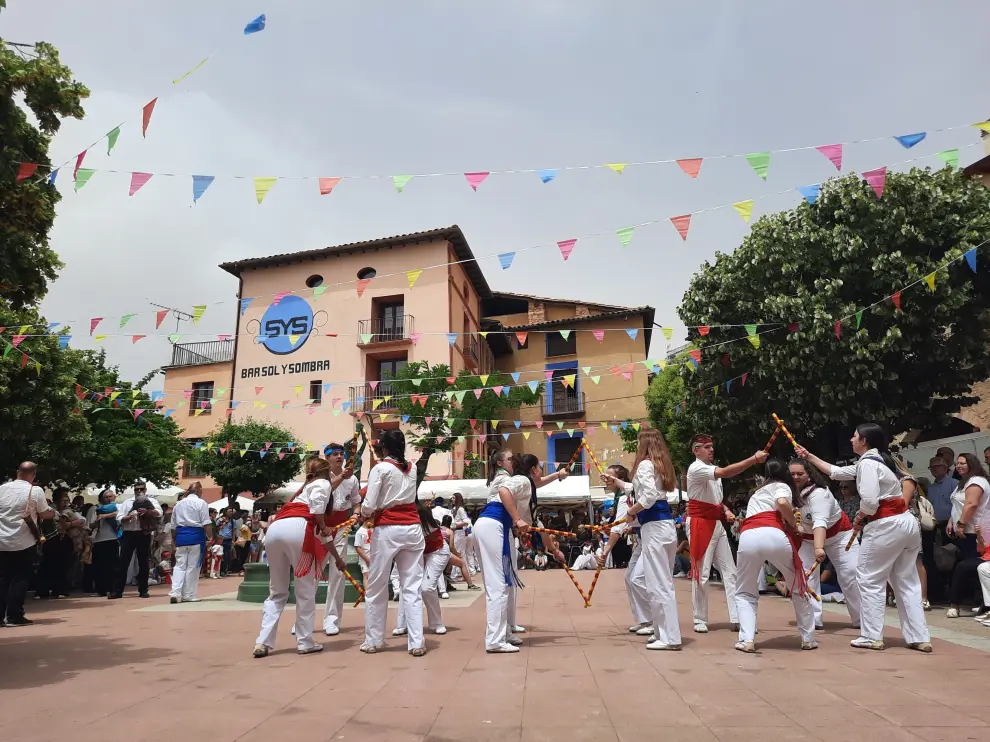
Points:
(587, 600)
(598, 571)
(551, 532)
(584, 444)
(812, 569)
(852, 538)
(591, 591)
(773, 437)
(357, 587)
(780, 424)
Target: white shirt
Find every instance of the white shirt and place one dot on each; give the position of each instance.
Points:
(674, 496)
(347, 494)
(361, 542)
(702, 484)
(389, 486)
(191, 511)
(461, 518)
(764, 500)
(821, 510)
(621, 509)
(520, 490)
(217, 550)
(316, 494)
(959, 500)
(14, 532)
(645, 485)
(439, 511)
(135, 523)
(874, 480)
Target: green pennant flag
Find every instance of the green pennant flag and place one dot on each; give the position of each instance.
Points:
(625, 235)
(859, 318)
(125, 319)
(112, 139)
(950, 157)
(565, 334)
(760, 162)
(7, 349)
(174, 338)
(417, 382)
(83, 175)
(399, 181)
(318, 290)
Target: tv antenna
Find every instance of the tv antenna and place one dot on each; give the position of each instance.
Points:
(177, 313)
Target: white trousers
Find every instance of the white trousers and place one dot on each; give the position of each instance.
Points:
(585, 561)
(403, 545)
(500, 599)
(334, 609)
(185, 576)
(983, 572)
(639, 602)
(889, 553)
(460, 538)
(433, 566)
(719, 555)
(756, 546)
(659, 547)
(471, 552)
(844, 563)
(283, 542)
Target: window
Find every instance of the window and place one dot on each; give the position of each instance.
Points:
(316, 391)
(391, 320)
(314, 281)
(564, 449)
(202, 393)
(558, 346)
(366, 273)
(388, 369)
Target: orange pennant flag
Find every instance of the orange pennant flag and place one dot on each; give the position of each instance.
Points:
(682, 224)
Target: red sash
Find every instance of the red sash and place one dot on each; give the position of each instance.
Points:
(434, 541)
(704, 517)
(842, 524)
(399, 515)
(889, 506)
(773, 519)
(336, 517)
(313, 552)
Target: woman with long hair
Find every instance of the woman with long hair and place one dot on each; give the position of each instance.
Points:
(397, 537)
(891, 540)
(826, 532)
(654, 477)
(461, 524)
(969, 507)
(770, 533)
(293, 546)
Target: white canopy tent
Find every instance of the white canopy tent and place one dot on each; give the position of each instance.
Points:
(165, 495)
(571, 491)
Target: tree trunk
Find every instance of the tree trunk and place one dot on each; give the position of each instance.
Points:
(424, 461)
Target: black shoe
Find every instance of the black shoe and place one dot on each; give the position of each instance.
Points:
(114, 596)
(19, 621)
(144, 595)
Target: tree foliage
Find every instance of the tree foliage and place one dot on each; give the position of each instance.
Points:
(243, 468)
(816, 264)
(665, 391)
(451, 407)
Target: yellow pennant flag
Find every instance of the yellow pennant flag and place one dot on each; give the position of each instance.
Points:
(754, 340)
(930, 280)
(483, 334)
(184, 75)
(298, 388)
(484, 378)
(668, 332)
(375, 404)
(617, 166)
(495, 423)
(382, 417)
(662, 365)
(198, 311)
(262, 186)
(984, 126)
(745, 209)
(604, 426)
(100, 338)
(526, 434)
(412, 275)
(568, 380)
(637, 426)
(197, 413)
(114, 395)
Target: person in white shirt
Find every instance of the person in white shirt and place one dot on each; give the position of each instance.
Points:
(706, 512)
(969, 509)
(101, 521)
(345, 498)
(193, 529)
(891, 540)
(293, 546)
(139, 516)
(461, 524)
(826, 532)
(21, 505)
(585, 560)
(771, 534)
(362, 547)
(397, 536)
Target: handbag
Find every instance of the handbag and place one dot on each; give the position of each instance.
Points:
(926, 513)
(946, 557)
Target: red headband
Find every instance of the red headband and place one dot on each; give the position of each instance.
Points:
(701, 440)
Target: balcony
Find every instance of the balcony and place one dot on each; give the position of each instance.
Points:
(200, 354)
(562, 404)
(386, 329)
(477, 355)
(362, 397)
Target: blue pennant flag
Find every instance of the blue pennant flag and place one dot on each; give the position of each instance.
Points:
(909, 140)
(515, 377)
(810, 192)
(52, 326)
(505, 436)
(244, 304)
(518, 423)
(233, 404)
(168, 413)
(261, 453)
(63, 341)
(51, 178)
(405, 419)
(345, 406)
(547, 175)
(451, 338)
(505, 258)
(200, 184)
(258, 24)
(632, 333)
(155, 396)
(728, 386)
(971, 259)
(533, 385)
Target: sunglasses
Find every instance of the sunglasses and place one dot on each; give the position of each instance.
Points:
(139, 491)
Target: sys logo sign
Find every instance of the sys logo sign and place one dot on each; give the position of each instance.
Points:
(285, 327)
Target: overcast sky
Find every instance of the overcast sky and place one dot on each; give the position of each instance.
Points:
(388, 87)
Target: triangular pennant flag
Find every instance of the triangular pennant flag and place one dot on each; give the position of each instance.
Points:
(760, 162)
(521, 338)
(412, 275)
(668, 332)
(79, 161)
(327, 185)
(586, 370)
(744, 209)
(625, 235)
(682, 224)
(909, 140)
(547, 175)
(100, 338)
(475, 179)
(262, 186)
(451, 338)
(200, 184)
(362, 284)
(565, 247)
(399, 181)
(318, 291)
(415, 336)
(877, 179)
(174, 338)
(743, 378)
(63, 341)
(526, 435)
(278, 297)
(25, 171)
(950, 157)
(632, 333)
(112, 139)
(484, 378)
(135, 338)
(930, 280)
(834, 154)
(595, 379)
(51, 178)
(690, 166)
(478, 393)
(515, 376)
(505, 259)
(93, 323)
(258, 24)
(82, 177)
(696, 355)
(18, 339)
(565, 334)
(198, 311)
(184, 75)
(970, 256)
(896, 298)
(838, 329)
(137, 413)
(810, 192)
(125, 319)
(532, 385)
(617, 167)
(599, 335)
(704, 330)
(366, 337)
(754, 338)
(160, 317)
(146, 112)
(859, 319)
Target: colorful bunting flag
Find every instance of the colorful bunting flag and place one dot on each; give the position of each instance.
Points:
(599, 335)
(174, 338)
(754, 338)
(859, 319)
(82, 177)
(184, 75)
(695, 355)
(682, 224)
(909, 140)
(79, 160)
(415, 336)
(475, 179)
(744, 209)
(625, 235)
(760, 162)
(632, 333)
(413, 275)
(565, 247)
(451, 338)
(834, 154)
(366, 337)
(547, 175)
(93, 323)
(876, 179)
(617, 167)
(810, 192)
(198, 311)
(258, 24)
(327, 185)
(896, 298)
(838, 329)
(146, 112)
(691, 166)
(930, 280)
(505, 259)
(362, 284)
(970, 256)
(668, 332)
(112, 139)
(63, 341)
(25, 171)
(521, 338)
(262, 186)
(200, 184)
(399, 181)
(565, 334)
(950, 157)
(137, 181)
(125, 319)
(244, 305)
(704, 330)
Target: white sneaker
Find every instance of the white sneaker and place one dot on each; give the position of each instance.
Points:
(441, 630)
(809, 645)
(645, 630)
(190, 600)
(310, 650)
(637, 627)
(747, 647)
(700, 627)
(371, 648)
(518, 629)
(502, 649)
(444, 596)
(952, 613)
(399, 632)
(515, 641)
(861, 642)
(680, 574)
(659, 646)
(332, 631)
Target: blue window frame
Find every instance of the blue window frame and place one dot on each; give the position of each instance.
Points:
(552, 448)
(548, 385)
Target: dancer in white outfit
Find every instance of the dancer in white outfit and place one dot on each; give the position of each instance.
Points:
(826, 533)
(891, 540)
(705, 530)
(461, 524)
(639, 601)
(292, 546)
(436, 554)
(655, 477)
(345, 497)
(397, 536)
(770, 533)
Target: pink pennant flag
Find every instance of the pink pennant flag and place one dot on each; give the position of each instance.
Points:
(224, 337)
(521, 337)
(79, 161)
(451, 379)
(744, 377)
(704, 330)
(257, 390)
(539, 423)
(93, 323)
(838, 329)
(327, 184)
(428, 419)
(137, 414)
(415, 336)
(475, 179)
(138, 180)
(682, 224)
(362, 284)
(135, 338)
(834, 154)
(18, 339)
(599, 335)
(627, 375)
(187, 393)
(548, 375)
(565, 247)
(696, 355)
(497, 390)
(373, 385)
(477, 393)
(146, 116)
(690, 167)
(278, 297)
(877, 179)
(160, 317)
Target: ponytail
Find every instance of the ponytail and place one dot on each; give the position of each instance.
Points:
(394, 443)
(876, 438)
(495, 462)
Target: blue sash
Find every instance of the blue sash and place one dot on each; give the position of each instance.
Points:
(659, 511)
(496, 511)
(190, 536)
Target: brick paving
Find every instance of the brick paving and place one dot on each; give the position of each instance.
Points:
(134, 669)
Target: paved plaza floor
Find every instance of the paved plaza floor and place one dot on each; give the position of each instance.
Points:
(92, 669)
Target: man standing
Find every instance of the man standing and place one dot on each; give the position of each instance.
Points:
(20, 504)
(344, 498)
(193, 527)
(705, 514)
(226, 528)
(949, 456)
(940, 490)
(139, 517)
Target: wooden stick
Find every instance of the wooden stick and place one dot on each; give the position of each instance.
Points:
(783, 427)
(591, 591)
(773, 437)
(357, 587)
(591, 453)
(812, 569)
(587, 600)
(551, 532)
(852, 539)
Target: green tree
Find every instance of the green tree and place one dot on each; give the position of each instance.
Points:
(32, 78)
(826, 262)
(247, 466)
(451, 407)
(664, 393)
